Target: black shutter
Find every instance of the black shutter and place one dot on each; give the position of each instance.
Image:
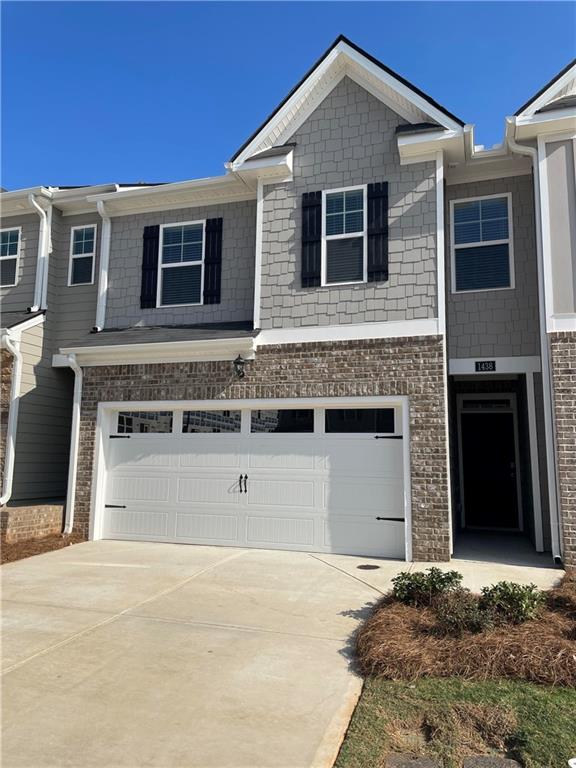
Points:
(378, 232)
(213, 261)
(150, 266)
(311, 238)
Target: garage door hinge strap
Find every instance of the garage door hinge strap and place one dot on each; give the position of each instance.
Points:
(392, 519)
(120, 437)
(388, 437)
(115, 506)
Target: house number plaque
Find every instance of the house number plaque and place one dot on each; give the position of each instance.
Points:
(485, 366)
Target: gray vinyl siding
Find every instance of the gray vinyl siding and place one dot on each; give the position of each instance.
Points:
(44, 415)
(72, 309)
(237, 286)
(562, 206)
(21, 296)
(350, 140)
(501, 323)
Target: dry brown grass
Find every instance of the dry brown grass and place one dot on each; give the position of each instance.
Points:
(400, 642)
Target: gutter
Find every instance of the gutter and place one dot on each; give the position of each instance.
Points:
(13, 345)
(547, 385)
(74, 443)
(42, 259)
(104, 264)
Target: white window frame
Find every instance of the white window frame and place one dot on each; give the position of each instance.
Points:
(17, 256)
(181, 264)
(346, 236)
(509, 241)
(82, 255)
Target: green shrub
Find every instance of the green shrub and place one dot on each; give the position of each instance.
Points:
(510, 602)
(424, 587)
(458, 611)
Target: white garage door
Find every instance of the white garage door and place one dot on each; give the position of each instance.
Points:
(319, 480)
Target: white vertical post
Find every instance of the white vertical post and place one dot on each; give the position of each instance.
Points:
(534, 469)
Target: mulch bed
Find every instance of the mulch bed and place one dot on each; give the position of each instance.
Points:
(400, 642)
(18, 550)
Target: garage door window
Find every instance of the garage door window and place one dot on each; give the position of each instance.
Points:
(301, 420)
(211, 421)
(144, 422)
(346, 420)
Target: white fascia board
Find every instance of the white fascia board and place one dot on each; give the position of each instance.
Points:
(354, 331)
(465, 366)
(549, 93)
(423, 147)
(16, 330)
(557, 323)
(558, 121)
(17, 202)
(162, 189)
(161, 352)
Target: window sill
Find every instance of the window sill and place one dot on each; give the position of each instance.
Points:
(483, 290)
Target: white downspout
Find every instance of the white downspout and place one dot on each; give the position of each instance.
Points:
(74, 442)
(104, 263)
(42, 241)
(47, 252)
(549, 431)
(13, 346)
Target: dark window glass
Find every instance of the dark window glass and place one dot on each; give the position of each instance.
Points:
(9, 242)
(482, 267)
(345, 260)
(211, 421)
(181, 285)
(141, 422)
(81, 270)
(283, 421)
(7, 271)
(359, 420)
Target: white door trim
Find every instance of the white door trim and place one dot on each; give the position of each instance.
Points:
(461, 398)
(106, 410)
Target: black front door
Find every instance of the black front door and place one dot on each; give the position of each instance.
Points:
(489, 470)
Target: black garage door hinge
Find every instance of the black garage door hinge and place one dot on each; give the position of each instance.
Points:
(115, 506)
(388, 437)
(392, 519)
(120, 437)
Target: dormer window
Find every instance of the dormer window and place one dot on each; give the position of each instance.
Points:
(344, 226)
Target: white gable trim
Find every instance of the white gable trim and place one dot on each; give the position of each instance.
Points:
(344, 61)
(549, 93)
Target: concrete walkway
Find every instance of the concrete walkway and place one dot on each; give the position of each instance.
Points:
(141, 654)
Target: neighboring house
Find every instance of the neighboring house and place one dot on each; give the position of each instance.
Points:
(361, 339)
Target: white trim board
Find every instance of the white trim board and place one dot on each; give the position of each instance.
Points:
(352, 332)
(558, 323)
(466, 365)
(106, 411)
(17, 330)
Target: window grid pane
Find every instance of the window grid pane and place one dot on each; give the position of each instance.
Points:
(9, 242)
(182, 243)
(344, 212)
(211, 421)
(83, 241)
(297, 420)
(481, 221)
(144, 422)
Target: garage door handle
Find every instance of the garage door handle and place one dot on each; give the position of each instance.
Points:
(245, 486)
(240, 483)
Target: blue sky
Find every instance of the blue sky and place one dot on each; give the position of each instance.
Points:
(146, 91)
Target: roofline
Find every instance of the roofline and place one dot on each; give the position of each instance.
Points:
(543, 90)
(176, 186)
(362, 52)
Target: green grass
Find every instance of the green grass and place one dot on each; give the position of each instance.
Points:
(541, 721)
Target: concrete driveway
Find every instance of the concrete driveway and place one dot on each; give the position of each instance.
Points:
(141, 654)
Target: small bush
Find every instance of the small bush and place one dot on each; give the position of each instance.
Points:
(422, 588)
(513, 603)
(458, 611)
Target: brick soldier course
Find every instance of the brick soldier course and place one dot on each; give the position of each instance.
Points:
(411, 367)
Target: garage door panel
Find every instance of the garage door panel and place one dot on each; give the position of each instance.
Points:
(307, 460)
(141, 453)
(215, 528)
(369, 495)
(280, 531)
(122, 522)
(208, 490)
(367, 456)
(207, 455)
(138, 488)
(363, 536)
(281, 493)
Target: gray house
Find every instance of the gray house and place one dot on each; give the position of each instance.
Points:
(361, 339)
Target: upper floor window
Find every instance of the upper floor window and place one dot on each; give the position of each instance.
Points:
(344, 242)
(9, 252)
(82, 255)
(482, 253)
(181, 264)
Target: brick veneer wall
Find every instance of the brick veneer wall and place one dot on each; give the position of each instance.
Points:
(5, 389)
(407, 366)
(563, 347)
(31, 521)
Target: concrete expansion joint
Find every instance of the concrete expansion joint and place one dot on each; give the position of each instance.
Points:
(116, 616)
